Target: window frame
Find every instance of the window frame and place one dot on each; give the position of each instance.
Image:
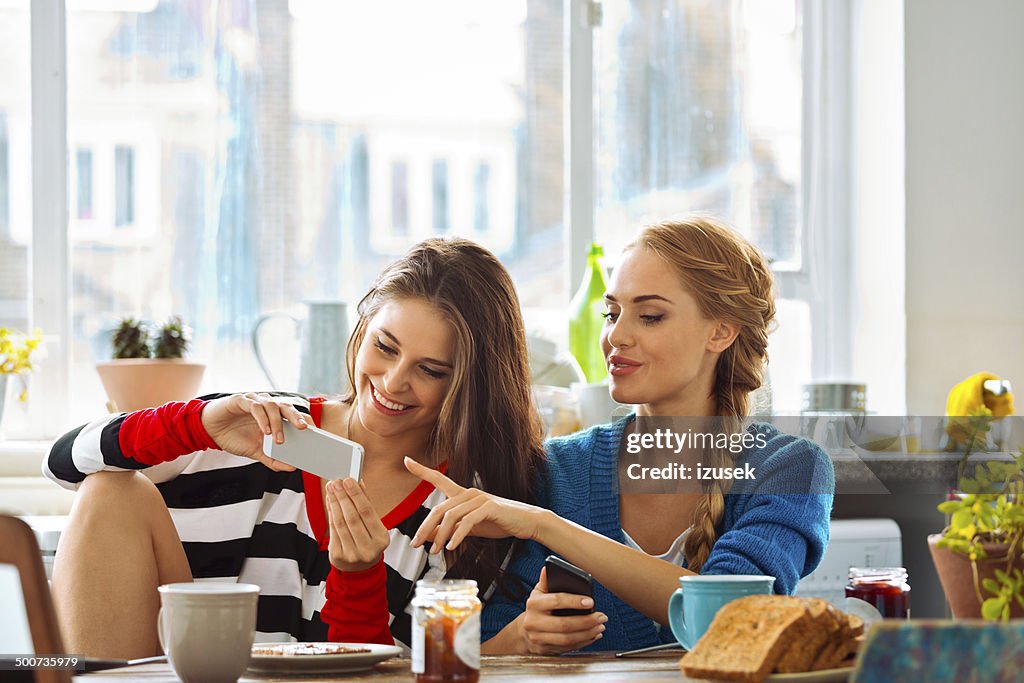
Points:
(823, 280)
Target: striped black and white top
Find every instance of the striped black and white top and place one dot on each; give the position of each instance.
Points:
(240, 521)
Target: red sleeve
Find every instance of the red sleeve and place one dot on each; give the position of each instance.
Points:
(156, 435)
(356, 610)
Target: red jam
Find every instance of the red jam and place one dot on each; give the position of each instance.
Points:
(446, 632)
(886, 589)
(441, 663)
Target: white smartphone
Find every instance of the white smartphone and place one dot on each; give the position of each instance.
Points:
(317, 451)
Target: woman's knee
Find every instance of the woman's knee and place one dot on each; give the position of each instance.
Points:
(118, 493)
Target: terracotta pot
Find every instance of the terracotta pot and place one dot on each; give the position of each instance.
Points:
(136, 383)
(957, 577)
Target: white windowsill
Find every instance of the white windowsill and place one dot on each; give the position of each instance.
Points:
(23, 488)
(23, 458)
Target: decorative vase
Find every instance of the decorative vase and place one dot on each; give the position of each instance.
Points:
(136, 383)
(957, 577)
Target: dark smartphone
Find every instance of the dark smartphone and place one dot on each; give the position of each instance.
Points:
(564, 577)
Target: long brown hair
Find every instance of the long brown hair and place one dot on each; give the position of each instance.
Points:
(731, 282)
(487, 428)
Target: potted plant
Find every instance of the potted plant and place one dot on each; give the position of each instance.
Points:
(979, 555)
(149, 368)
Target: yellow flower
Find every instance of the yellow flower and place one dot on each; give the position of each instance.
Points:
(18, 351)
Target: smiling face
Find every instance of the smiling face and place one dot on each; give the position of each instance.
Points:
(403, 369)
(660, 349)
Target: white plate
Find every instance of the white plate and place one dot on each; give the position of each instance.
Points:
(325, 663)
(827, 676)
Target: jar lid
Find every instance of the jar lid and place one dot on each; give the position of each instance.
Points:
(870, 574)
(452, 587)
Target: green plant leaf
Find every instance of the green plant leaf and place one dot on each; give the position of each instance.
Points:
(961, 518)
(950, 506)
(991, 585)
(992, 608)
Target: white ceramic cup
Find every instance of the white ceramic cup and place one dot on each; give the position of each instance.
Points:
(207, 629)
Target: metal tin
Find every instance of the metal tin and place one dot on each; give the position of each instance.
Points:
(835, 397)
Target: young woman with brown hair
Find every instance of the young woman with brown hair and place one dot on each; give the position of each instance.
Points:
(438, 372)
(688, 313)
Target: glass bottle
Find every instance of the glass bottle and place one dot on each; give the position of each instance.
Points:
(586, 319)
(884, 588)
(446, 632)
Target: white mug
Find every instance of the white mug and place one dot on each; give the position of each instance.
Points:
(207, 629)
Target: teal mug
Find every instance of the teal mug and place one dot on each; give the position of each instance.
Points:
(699, 597)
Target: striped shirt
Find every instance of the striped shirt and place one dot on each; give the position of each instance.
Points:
(240, 521)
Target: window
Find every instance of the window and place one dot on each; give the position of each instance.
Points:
(400, 197)
(124, 186)
(439, 179)
(282, 151)
(5, 180)
(15, 186)
(481, 197)
(83, 186)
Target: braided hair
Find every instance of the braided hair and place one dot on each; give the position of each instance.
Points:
(731, 281)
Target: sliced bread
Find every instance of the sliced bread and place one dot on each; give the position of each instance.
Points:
(747, 638)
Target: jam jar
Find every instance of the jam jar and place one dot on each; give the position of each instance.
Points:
(446, 632)
(885, 588)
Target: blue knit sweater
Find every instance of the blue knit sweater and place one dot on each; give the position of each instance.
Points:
(770, 525)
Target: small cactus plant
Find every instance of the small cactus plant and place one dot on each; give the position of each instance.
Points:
(131, 339)
(172, 339)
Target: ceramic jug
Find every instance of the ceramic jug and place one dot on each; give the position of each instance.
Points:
(323, 335)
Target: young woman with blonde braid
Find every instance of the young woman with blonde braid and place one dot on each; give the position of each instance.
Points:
(688, 313)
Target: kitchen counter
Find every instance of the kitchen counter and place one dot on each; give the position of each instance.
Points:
(905, 487)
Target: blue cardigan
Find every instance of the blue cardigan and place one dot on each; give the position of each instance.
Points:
(777, 525)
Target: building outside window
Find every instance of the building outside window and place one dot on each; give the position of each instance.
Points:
(290, 154)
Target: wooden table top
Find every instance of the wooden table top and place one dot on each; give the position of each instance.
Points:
(593, 668)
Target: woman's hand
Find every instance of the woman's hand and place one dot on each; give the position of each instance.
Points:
(538, 631)
(470, 512)
(358, 537)
(238, 423)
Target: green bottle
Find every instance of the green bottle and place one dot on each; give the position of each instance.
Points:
(586, 319)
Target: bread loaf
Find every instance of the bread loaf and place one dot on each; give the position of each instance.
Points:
(757, 635)
(746, 639)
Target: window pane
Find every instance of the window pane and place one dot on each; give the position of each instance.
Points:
(700, 110)
(248, 156)
(15, 165)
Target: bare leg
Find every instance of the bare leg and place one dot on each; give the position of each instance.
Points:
(119, 545)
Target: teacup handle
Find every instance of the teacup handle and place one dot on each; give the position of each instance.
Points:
(675, 619)
(256, 343)
(160, 628)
